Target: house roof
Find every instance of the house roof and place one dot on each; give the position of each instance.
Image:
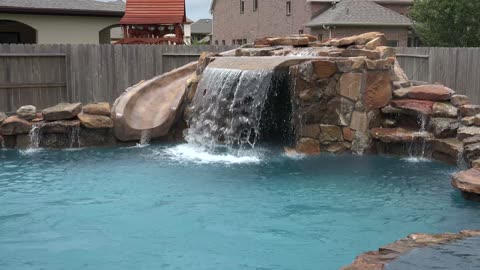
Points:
(63, 7)
(154, 12)
(212, 3)
(202, 26)
(376, 1)
(359, 12)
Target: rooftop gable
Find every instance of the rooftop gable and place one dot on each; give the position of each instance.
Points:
(202, 26)
(359, 12)
(154, 12)
(67, 7)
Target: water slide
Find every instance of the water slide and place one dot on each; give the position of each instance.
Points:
(151, 106)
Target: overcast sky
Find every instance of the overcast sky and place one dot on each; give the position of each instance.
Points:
(196, 9)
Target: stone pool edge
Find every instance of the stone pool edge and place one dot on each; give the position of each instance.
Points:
(378, 260)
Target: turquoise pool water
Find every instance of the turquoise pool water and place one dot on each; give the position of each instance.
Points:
(176, 207)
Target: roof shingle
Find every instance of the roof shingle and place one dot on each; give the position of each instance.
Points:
(359, 12)
(154, 12)
(64, 5)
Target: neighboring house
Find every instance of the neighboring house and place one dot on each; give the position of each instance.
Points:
(246, 20)
(64, 22)
(202, 30)
(58, 21)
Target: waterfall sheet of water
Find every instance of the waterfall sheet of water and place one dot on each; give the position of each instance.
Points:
(35, 136)
(228, 107)
(74, 137)
(417, 148)
(145, 138)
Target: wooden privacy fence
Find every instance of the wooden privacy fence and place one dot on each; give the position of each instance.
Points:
(44, 75)
(457, 68)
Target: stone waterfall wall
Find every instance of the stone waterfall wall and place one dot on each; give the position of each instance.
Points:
(338, 100)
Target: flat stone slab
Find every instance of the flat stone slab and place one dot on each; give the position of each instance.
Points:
(95, 121)
(393, 135)
(60, 127)
(14, 125)
(467, 181)
(62, 111)
(451, 146)
(426, 92)
(100, 108)
(466, 132)
(420, 106)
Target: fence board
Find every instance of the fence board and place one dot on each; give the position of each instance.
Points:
(456, 68)
(44, 75)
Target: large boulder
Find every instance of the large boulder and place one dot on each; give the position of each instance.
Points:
(467, 181)
(466, 132)
(27, 112)
(441, 109)
(14, 125)
(471, 152)
(60, 127)
(451, 147)
(378, 90)
(324, 69)
(101, 108)
(444, 127)
(308, 146)
(370, 54)
(392, 135)
(469, 110)
(459, 100)
(429, 92)
(95, 121)
(415, 105)
(62, 111)
(330, 133)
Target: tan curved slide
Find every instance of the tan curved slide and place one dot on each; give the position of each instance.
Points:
(151, 105)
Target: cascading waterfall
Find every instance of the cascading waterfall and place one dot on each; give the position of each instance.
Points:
(74, 137)
(35, 136)
(228, 107)
(145, 137)
(417, 148)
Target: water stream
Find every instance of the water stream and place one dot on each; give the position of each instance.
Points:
(74, 137)
(35, 136)
(417, 148)
(230, 107)
(145, 138)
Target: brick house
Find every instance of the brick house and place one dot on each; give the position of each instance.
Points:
(241, 21)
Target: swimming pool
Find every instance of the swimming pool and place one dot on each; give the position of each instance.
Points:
(177, 207)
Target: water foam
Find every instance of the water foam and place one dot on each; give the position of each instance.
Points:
(197, 154)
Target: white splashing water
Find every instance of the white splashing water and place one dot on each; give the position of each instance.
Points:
(35, 136)
(145, 138)
(417, 149)
(228, 107)
(190, 153)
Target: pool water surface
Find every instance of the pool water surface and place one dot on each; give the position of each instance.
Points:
(177, 207)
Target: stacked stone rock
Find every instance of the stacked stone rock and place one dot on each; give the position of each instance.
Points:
(56, 126)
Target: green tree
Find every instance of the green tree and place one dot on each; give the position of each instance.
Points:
(447, 23)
